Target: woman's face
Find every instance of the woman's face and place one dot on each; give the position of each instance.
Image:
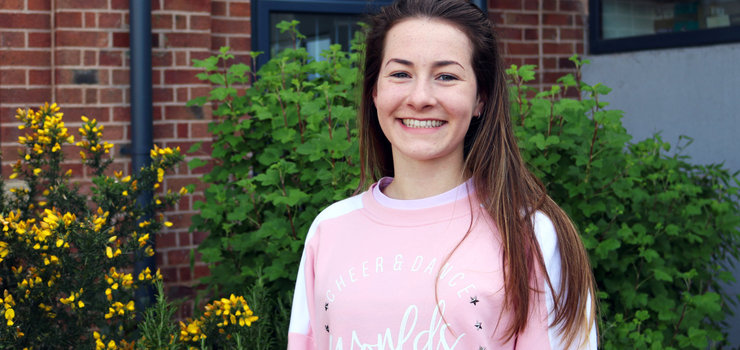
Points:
(426, 92)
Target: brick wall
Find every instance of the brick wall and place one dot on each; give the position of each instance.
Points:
(75, 52)
(541, 32)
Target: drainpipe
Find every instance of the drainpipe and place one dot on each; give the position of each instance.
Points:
(140, 34)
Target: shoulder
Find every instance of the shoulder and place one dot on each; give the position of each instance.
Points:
(334, 211)
(547, 238)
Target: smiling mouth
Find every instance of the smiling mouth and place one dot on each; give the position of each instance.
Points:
(422, 124)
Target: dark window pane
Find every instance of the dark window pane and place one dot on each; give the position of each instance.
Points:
(630, 18)
(321, 30)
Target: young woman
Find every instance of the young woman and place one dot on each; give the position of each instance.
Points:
(457, 245)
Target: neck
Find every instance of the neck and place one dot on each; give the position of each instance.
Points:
(421, 179)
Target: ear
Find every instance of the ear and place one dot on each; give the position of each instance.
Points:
(478, 106)
(375, 93)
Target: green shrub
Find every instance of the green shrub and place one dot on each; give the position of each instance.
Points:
(660, 230)
(276, 169)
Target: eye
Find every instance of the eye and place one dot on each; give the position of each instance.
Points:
(399, 75)
(447, 77)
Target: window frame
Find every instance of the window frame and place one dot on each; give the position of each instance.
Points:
(700, 37)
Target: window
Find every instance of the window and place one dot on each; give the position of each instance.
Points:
(323, 22)
(625, 25)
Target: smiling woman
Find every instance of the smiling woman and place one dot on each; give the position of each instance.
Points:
(456, 244)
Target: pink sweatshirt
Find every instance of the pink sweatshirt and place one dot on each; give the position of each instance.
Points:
(368, 272)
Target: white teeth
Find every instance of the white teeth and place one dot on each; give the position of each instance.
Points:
(413, 123)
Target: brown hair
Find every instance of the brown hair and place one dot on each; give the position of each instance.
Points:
(509, 193)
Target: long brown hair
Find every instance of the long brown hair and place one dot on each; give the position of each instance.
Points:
(510, 194)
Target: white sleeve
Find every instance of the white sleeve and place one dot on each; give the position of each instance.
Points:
(548, 241)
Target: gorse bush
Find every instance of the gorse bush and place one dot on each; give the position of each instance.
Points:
(660, 231)
(66, 258)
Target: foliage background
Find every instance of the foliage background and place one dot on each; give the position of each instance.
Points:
(661, 231)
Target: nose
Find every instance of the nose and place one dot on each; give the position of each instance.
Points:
(422, 95)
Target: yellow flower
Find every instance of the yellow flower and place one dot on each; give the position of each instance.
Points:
(168, 224)
(37, 171)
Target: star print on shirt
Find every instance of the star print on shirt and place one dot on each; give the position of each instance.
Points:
(479, 325)
(326, 306)
(481, 348)
(474, 300)
(327, 328)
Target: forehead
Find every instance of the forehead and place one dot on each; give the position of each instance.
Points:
(425, 39)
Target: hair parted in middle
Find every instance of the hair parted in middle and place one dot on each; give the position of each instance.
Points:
(508, 191)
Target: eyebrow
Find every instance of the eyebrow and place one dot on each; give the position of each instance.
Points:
(435, 65)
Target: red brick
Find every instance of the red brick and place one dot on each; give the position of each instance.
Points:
(217, 42)
(199, 129)
(505, 33)
(181, 58)
(549, 34)
(181, 76)
(12, 39)
(200, 22)
(89, 58)
(69, 95)
(167, 240)
(121, 77)
(11, 4)
(38, 5)
(110, 58)
(161, 58)
(67, 57)
(91, 96)
(39, 40)
(182, 130)
(555, 48)
(244, 9)
(112, 95)
(550, 63)
(571, 34)
(115, 132)
(188, 5)
(24, 20)
(557, 19)
(80, 38)
(182, 94)
(90, 20)
(520, 18)
(169, 274)
(187, 40)
(162, 94)
(231, 26)
(10, 133)
(181, 22)
(12, 77)
(111, 20)
(162, 21)
(201, 271)
(82, 4)
(24, 58)
(508, 4)
(550, 5)
(244, 43)
(39, 77)
(531, 34)
(185, 274)
(122, 114)
(163, 131)
(533, 5)
(572, 6)
(121, 39)
(123, 4)
(218, 8)
(68, 19)
(522, 49)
